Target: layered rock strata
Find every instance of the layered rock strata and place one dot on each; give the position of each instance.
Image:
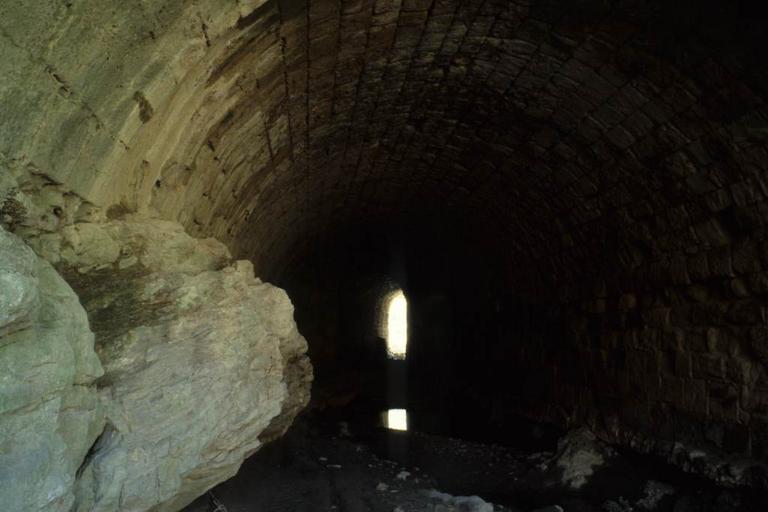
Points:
(50, 412)
(201, 362)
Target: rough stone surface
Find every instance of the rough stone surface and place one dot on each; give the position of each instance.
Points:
(655, 492)
(449, 503)
(615, 150)
(579, 455)
(202, 364)
(264, 123)
(50, 412)
(201, 359)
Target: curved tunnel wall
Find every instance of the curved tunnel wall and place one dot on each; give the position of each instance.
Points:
(615, 152)
(264, 122)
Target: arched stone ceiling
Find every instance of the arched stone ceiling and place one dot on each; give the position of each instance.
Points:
(585, 135)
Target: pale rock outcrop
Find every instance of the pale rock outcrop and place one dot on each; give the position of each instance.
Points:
(579, 455)
(202, 364)
(202, 361)
(448, 503)
(50, 413)
(31, 202)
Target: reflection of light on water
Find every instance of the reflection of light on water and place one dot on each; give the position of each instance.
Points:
(397, 326)
(397, 419)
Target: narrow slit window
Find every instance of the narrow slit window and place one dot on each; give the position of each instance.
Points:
(397, 326)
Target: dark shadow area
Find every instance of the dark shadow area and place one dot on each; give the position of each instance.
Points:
(344, 459)
(467, 369)
(478, 386)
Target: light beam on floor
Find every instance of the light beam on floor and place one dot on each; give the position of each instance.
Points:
(397, 326)
(397, 419)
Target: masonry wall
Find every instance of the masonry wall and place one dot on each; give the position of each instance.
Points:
(668, 359)
(613, 153)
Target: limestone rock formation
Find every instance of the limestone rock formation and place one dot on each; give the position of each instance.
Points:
(202, 363)
(49, 407)
(200, 359)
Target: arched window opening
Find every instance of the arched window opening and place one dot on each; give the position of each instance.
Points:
(397, 326)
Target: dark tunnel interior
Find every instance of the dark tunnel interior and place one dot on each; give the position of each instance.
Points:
(558, 274)
(572, 197)
(471, 334)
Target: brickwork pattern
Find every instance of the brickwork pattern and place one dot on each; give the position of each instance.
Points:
(617, 151)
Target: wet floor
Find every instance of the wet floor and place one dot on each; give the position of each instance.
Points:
(378, 461)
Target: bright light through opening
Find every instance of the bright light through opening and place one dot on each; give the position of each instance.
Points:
(397, 419)
(397, 326)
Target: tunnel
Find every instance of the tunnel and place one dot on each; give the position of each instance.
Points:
(208, 209)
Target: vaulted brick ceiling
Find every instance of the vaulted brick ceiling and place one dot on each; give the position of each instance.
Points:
(584, 134)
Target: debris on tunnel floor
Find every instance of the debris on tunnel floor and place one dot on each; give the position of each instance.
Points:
(326, 465)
